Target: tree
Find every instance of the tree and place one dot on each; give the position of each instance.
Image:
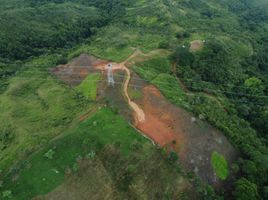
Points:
(183, 57)
(173, 157)
(6, 135)
(245, 190)
(214, 63)
(49, 154)
(7, 194)
(254, 86)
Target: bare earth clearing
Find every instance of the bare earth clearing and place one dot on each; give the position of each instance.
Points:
(176, 129)
(167, 125)
(196, 45)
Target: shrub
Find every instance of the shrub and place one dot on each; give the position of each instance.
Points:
(7, 194)
(6, 135)
(245, 190)
(49, 154)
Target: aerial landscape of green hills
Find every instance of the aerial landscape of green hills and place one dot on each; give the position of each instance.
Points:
(133, 99)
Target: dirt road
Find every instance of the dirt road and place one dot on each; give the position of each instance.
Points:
(138, 112)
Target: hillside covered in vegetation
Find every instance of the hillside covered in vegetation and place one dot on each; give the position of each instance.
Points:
(62, 131)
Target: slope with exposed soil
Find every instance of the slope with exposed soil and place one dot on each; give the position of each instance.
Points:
(175, 129)
(165, 124)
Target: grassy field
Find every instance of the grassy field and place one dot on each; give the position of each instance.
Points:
(157, 71)
(117, 42)
(45, 174)
(45, 170)
(35, 107)
(219, 165)
(109, 53)
(88, 87)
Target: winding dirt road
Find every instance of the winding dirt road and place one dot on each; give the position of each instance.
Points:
(138, 112)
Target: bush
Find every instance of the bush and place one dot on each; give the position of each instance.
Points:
(183, 56)
(49, 154)
(7, 194)
(173, 157)
(245, 190)
(164, 45)
(7, 135)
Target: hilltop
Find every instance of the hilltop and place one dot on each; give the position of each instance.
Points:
(186, 118)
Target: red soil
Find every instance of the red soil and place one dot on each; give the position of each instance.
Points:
(158, 124)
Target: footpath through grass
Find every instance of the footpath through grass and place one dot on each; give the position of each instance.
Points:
(45, 170)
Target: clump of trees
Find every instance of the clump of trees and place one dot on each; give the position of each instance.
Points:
(245, 190)
(66, 24)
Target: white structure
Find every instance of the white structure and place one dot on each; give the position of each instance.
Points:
(110, 75)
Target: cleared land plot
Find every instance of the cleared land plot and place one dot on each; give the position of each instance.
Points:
(77, 70)
(196, 45)
(175, 128)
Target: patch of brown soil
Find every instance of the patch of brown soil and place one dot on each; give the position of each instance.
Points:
(77, 70)
(158, 124)
(195, 140)
(196, 45)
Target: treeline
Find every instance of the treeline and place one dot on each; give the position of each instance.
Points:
(227, 67)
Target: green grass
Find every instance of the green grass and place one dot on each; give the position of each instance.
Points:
(219, 165)
(38, 108)
(117, 42)
(113, 53)
(157, 71)
(40, 177)
(152, 68)
(134, 94)
(88, 87)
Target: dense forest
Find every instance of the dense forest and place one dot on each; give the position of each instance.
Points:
(231, 65)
